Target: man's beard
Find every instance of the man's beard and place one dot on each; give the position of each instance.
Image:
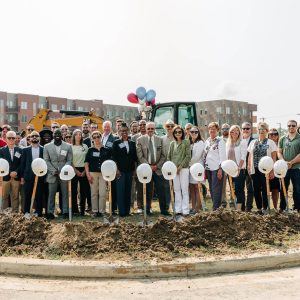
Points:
(35, 141)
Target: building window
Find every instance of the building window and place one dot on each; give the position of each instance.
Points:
(201, 111)
(63, 106)
(34, 108)
(80, 108)
(11, 118)
(219, 109)
(24, 119)
(227, 110)
(244, 112)
(205, 112)
(10, 104)
(41, 105)
(53, 106)
(23, 105)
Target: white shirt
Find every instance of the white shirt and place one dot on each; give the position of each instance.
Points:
(126, 145)
(154, 149)
(197, 152)
(240, 152)
(11, 151)
(214, 154)
(104, 139)
(35, 152)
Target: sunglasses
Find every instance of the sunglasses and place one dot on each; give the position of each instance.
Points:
(192, 131)
(178, 132)
(246, 128)
(96, 137)
(11, 138)
(188, 128)
(291, 125)
(225, 129)
(150, 128)
(170, 126)
(54, 127)
(34, 136)
(29, 129)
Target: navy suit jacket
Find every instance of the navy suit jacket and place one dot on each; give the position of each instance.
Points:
(26, 171)
(15, 164)
(109, 143)
(126, 162)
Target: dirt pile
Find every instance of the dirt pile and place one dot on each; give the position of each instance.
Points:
(164, 240)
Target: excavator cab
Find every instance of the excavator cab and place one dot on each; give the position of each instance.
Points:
(179, 112)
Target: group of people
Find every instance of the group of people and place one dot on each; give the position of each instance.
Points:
(87, 148)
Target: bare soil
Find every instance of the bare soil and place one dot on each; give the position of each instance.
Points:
(220, 232)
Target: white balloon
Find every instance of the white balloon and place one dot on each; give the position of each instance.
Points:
(67, 173)
(109, 170)
(144, 173)
(169, 170)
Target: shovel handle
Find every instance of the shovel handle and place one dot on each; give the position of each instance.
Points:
(284, 192)
(172, 197)
(201, 196)
(1, 194)
(109, 198)
(34, 192)
(231, 188)
(268, 191)
(145, 202)
(70, 200)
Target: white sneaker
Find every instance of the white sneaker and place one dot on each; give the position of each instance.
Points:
(27, 216)
(139, 211)
(151, 211)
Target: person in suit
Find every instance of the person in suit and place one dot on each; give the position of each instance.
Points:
(149, 149)
(56, 155)
(11, 182)
(107, 141)
(35, 150)
(247, 137)
(124, 154)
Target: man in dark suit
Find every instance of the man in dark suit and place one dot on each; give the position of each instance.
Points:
(247, 138)
(107, 140)
(11, 182)
(150, 151)
(124, 154)
(35, 150)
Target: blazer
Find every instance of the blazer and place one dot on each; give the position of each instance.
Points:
(26, 160)
(109, 143)
(250, 140)
(142, 150)
(55, 161)
(15, 164)
(125, 161)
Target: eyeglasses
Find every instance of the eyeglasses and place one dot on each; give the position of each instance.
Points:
(225, 129)
(193, 131)
(170, 126)
(178, 132)
(96, 137)
(246, 128)
(261, 129)
(29, 129)
(34, 136)
(64, 129)
(150, 128)
(189, 128)
(291, 125)
(142, 124)
(68, 136)
(54, 127)
(11, 138)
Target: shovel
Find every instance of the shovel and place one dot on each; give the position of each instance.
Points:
(176, 218)
(269, 194)
(232, 193)
(145, 221)
(287, 209)
(110, 219)
(1, 194)
(33, 192)
(201, 197)
(70, 200)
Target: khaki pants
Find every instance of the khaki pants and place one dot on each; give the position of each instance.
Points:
(11, 188)
(98, 192)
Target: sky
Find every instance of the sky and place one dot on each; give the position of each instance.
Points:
(188, 50)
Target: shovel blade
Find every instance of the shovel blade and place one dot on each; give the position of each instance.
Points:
(111, 220)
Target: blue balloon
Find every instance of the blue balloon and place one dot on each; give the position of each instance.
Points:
(141, 92)
(150, 95)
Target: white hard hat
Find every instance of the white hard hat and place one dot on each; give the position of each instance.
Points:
(265, 164)
(230, 167)
(197, 172)
(67, 172)
(4, 167)
(280, 168)
(144, 173)
(169, 170)
(39, 167)
(109, 170)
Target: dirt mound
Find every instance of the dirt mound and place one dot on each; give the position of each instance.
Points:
(164, 240)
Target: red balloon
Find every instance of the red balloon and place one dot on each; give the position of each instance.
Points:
(132, 98)
(152, 101)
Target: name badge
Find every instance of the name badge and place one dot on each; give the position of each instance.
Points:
(122, 145)
(63, 152)
(96, 154)
(17, 154)
(108, 144)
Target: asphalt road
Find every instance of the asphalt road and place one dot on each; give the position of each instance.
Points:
(271, 285)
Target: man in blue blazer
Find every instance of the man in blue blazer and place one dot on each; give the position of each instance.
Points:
(35, 150)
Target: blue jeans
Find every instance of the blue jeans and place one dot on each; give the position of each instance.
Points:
(294, 176)
(123, 187)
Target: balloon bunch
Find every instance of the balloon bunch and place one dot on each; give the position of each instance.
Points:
(144, 98)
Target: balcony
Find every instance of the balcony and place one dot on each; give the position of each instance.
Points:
(14, 109)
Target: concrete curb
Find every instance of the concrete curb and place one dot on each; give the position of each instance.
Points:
(93, 269)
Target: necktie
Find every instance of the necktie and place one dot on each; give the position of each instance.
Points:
(151, 152)
(11, 154)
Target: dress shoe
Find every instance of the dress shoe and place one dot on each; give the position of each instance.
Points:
(65, 215)
(50, 216)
